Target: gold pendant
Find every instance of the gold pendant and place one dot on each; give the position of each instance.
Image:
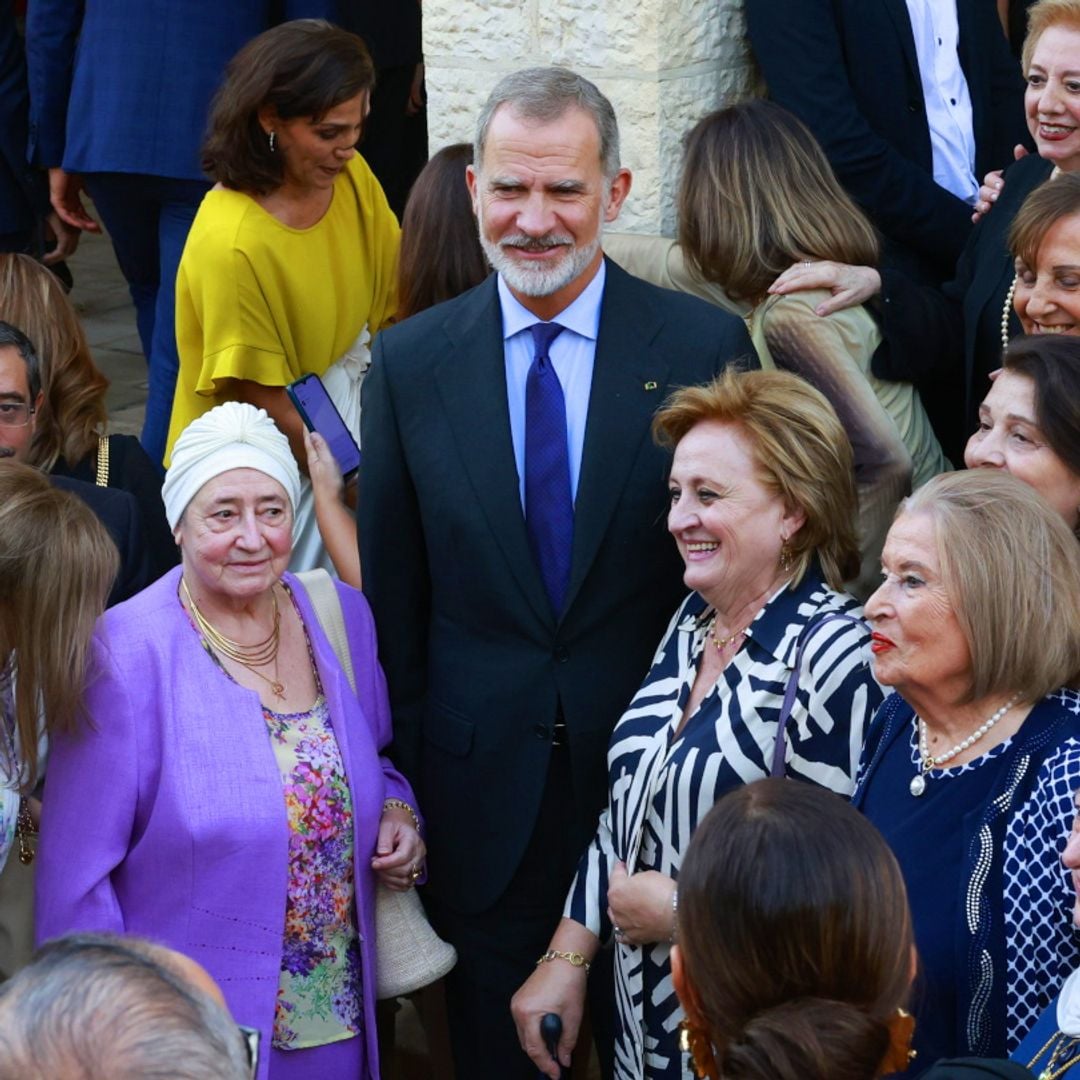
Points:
(279, 690)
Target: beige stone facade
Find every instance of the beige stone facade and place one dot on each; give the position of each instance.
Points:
(663, 63)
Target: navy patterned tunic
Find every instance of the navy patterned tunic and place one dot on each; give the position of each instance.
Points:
(661, 786)
(980, 851)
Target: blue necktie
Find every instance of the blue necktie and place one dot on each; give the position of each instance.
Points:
(549, 506)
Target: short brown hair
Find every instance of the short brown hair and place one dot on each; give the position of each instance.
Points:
(57, 564)
(795, 934)
(73, 414)
(1011, 569)
(440, 255)
(1052, 363)
(300, 69)
(758, 194)
(801, 448)
(1051, 201)
(1040, 17)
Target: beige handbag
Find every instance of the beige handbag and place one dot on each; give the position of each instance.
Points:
(408, 953)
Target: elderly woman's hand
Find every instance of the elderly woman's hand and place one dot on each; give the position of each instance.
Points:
(400, 852)
(640, 907)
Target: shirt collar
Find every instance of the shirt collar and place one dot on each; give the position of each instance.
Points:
(777, 626)
(582, 316)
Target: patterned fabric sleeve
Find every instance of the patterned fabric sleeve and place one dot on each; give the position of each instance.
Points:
(1042, 945)
(837, 699)
(586, 902)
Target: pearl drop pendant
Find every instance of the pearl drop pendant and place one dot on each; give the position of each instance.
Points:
(917, 785)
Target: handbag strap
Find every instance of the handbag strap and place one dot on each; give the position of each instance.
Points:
(792, 689)
(102, 477)
(327, 604)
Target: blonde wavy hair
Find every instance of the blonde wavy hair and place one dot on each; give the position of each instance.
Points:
(757, 194)
(1043, 15)
(802, 452)
(73, 414)
(57, 565)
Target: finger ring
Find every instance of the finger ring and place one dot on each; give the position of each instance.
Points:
(416, 872)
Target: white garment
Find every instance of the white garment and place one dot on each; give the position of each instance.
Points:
(945, 94)
(342, 381)
(1068, 1007)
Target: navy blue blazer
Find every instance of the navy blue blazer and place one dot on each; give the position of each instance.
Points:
(848, 69)
(478, 667)
(125, 85)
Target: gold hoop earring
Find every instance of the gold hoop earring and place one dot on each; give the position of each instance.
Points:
(695, 1042)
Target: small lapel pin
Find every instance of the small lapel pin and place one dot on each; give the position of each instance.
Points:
(650, 385)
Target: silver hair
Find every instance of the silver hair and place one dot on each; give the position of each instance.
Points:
(99, 1007)
(543, 95)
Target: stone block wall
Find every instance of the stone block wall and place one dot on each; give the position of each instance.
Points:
(663, 64)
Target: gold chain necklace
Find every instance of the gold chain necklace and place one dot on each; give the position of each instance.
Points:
(250, 656)
(722, 643)
(1062, 1045)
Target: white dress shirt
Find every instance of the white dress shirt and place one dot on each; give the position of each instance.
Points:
(945, 94)
(572, 355)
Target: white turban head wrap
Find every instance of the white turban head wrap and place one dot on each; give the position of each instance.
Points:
(230, 436)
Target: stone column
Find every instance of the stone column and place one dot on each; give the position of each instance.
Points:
(663, 64)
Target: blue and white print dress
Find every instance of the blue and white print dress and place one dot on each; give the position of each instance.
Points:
(660, 786)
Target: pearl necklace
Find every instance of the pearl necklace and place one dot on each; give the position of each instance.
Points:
(918, 781)
(1006, 311)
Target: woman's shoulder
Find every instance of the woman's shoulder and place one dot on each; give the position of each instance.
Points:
(793, 312)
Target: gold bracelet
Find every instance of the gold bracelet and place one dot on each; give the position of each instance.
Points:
(575, 959)
(401, 804)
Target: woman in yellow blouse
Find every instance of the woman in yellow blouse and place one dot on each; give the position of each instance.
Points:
(291, 263)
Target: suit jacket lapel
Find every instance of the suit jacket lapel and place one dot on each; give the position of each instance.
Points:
(628, 385)
(899, 12)
(472, 385)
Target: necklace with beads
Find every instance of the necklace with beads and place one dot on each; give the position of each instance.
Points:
(1059, 1045)
(1006, 311)
(250, 656)
(722, 643)
(928, 762)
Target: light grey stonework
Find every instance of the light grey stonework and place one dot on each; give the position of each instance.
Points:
(663, 63)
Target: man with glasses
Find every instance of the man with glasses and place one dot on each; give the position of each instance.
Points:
(21, 397)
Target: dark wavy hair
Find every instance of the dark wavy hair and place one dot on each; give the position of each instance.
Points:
(299, 69)
(795, 934)
(440, 254)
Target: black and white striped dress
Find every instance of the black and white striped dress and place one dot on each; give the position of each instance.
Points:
(661, 786)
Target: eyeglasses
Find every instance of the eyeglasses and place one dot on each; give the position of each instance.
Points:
(252, 1037)
(15, 413)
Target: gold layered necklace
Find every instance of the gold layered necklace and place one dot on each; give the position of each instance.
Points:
(252, 657)
(722, 643)
(1057, 1048)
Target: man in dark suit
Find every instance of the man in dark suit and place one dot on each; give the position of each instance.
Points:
(873, 87)
(513, 540)
(118, 511)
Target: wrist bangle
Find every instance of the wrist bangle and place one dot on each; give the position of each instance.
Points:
(401, 804)
(674, 916)
(575, 959)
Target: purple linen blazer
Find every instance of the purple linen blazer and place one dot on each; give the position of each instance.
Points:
(167, 820)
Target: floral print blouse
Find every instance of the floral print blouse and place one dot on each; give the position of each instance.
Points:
(319, 995)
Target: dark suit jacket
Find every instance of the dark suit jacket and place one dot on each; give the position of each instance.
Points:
(848, 70)
(24, 195)
(125, 85)
(119, 513)
(477, 665)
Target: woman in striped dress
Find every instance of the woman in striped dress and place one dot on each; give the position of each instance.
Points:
(762, 510)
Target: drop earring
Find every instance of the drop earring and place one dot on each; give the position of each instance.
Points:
(271, 139)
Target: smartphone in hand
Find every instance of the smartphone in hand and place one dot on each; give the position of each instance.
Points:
(320, 414)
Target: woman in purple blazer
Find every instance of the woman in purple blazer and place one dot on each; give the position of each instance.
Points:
(231, 801)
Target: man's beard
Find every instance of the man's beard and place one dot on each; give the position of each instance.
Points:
(533, 279)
